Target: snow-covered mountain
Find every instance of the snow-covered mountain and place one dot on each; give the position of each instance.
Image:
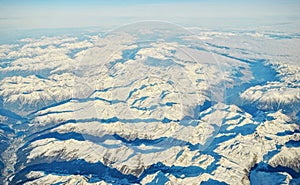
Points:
(151, 104)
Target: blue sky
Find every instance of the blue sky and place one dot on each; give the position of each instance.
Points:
(66, 13)
(84, 2)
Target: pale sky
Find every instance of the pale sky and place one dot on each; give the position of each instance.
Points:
(32, 14)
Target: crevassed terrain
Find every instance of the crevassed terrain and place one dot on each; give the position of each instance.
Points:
(150, 107)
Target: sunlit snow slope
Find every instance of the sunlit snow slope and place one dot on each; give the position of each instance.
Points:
(151, 105)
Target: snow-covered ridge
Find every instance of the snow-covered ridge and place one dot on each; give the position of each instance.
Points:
(27, 94)
(117, 109)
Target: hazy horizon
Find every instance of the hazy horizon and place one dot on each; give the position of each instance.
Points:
(35, 14)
